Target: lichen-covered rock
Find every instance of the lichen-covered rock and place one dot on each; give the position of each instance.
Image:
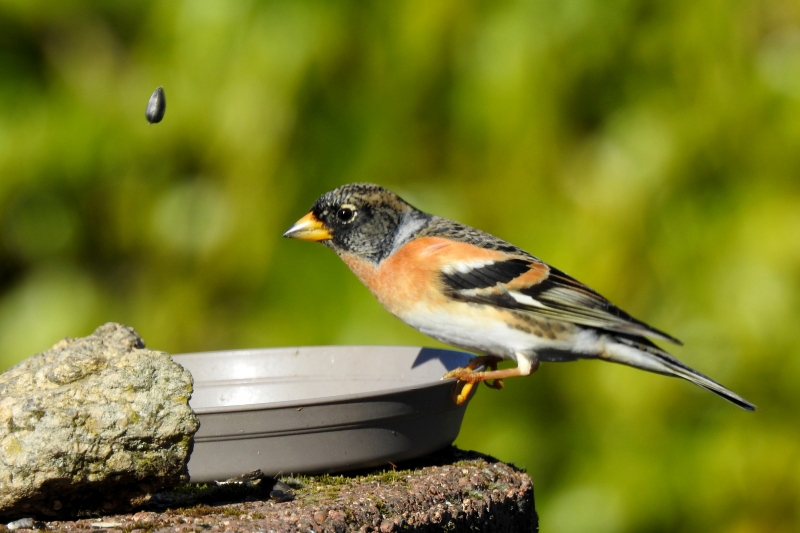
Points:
(96, 423)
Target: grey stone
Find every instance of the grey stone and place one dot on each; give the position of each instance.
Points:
(96, 423)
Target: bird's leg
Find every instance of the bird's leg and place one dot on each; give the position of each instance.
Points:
(463, 387)
(470, 376)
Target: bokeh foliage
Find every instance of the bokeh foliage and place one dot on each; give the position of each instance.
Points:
(649, 148)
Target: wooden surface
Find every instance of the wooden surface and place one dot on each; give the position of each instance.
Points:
(451, 490)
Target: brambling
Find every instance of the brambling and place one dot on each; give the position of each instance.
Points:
(477, 292)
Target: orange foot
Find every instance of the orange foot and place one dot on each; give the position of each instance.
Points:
(467, 376)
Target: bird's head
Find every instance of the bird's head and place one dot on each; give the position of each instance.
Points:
(358, 218)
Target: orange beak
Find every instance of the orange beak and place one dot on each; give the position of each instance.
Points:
(309, 228)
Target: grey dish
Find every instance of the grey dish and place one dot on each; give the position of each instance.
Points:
(319, 409)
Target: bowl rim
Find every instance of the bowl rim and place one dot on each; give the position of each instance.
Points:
(324, 400)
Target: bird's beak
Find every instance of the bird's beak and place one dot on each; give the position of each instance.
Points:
(309, 228)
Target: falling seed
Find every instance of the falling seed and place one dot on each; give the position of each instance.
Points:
(156, 106)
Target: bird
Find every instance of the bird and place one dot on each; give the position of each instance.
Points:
(477, 292)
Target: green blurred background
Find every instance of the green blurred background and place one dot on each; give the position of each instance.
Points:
(649, 148)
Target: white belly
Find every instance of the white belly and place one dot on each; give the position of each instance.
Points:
(471, 329)
(485, 331)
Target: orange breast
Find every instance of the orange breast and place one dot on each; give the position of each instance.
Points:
(411, 275)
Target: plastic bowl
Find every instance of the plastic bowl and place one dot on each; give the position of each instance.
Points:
(319, 409)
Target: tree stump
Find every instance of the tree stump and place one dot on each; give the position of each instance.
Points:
(452, 490)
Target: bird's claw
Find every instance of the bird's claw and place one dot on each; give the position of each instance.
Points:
(470, 375)
(461, 392)
(497, 384)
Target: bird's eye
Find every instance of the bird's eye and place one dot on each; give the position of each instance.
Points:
(345, 214)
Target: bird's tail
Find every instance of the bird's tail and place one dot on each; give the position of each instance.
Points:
(641, 353)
